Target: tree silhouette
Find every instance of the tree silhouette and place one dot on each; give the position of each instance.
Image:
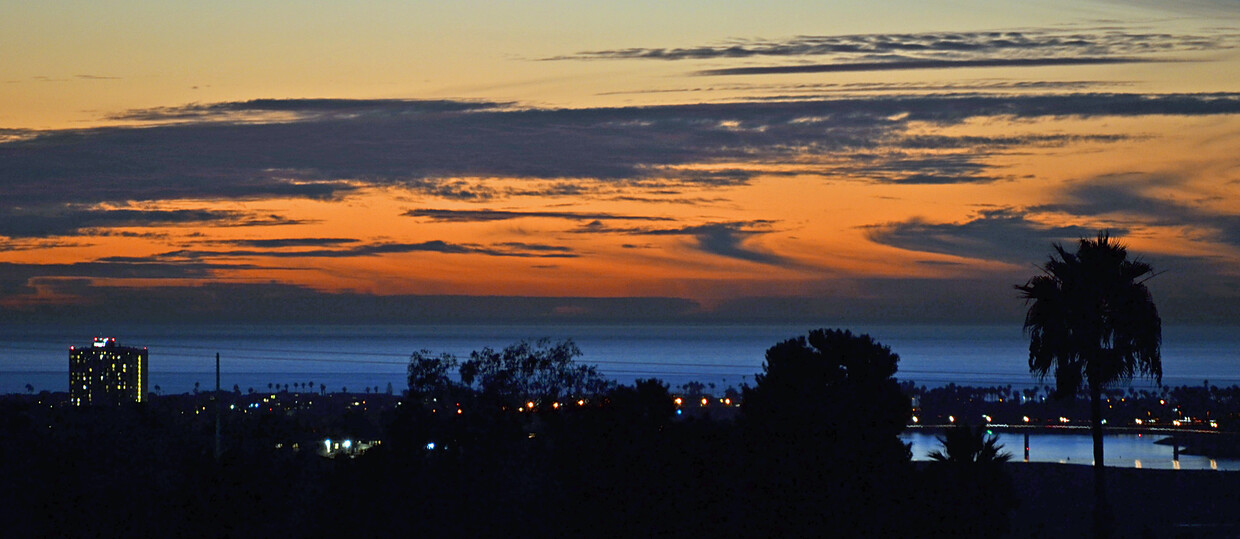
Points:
(1092, 322)
(693, 388)
(541, 371)
(30, 388)
(832, 380)
(428, 376)
(963, 444)
(823, 423)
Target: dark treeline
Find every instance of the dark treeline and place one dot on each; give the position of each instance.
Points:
(525, 440)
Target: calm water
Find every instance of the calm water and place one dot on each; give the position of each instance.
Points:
(1120, 450)
(368, 356)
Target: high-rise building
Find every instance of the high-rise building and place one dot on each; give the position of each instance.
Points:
(104, 373)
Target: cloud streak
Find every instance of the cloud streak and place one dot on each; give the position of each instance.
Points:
(510, 249)
(1005, 235)
(1126, 198)
(725, 239)
(479, 216)
(1093, 42)
(61, 221)
(916, 64)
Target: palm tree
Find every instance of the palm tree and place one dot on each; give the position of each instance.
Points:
(964, 445)
(970, 489)
(1092, 322)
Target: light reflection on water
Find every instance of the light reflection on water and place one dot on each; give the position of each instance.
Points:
(1121, 450)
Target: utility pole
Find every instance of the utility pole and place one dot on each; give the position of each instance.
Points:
(218, 451)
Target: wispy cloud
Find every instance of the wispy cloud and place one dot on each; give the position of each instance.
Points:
(463, 216)
(509, 249)
(917, 64)
(1043, 42)
(1005, 235)
(302, 109)
(726, 239)
(1129, 198)
(60, 221)
(279, 243)
(17, 278)
(819, 89)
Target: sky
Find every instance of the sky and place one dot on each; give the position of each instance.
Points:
(555, 161)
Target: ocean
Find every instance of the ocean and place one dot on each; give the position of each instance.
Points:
(374, 356)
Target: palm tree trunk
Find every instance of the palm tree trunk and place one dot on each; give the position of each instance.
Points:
(1102, 510)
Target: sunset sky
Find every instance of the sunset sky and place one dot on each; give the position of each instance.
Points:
(574, 161)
